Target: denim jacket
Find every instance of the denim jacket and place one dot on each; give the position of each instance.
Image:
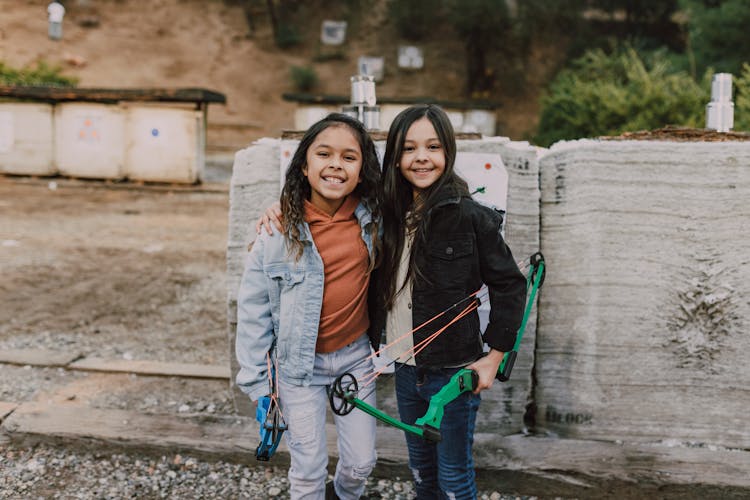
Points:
(278, 307)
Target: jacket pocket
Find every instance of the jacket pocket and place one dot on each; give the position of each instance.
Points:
(452, 249)
(284, 285)
(450, 262)
(283, 276)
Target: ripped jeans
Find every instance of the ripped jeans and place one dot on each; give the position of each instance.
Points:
(443, 470)
(304, 410)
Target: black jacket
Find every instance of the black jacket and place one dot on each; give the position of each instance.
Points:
(463, 249)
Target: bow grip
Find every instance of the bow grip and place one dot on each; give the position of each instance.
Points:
(503, 373)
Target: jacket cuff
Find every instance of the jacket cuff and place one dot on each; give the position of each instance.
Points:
(501, 339)
(255, 391)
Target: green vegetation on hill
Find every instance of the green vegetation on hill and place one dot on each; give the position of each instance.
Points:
(41, 74)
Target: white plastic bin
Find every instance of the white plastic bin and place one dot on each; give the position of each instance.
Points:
(26, 139)
(164, 144)
(89, 140)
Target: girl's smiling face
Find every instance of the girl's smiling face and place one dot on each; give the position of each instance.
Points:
(422, 158)
(332, 167)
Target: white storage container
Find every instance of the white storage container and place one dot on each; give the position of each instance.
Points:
(26, 139)
(164, 144)
(89, 140)
(306, 115)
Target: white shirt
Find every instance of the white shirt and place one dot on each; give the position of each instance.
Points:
(399, 319)
(56, 12)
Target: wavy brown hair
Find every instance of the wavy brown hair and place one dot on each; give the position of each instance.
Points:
(399, 207)
(297, 187)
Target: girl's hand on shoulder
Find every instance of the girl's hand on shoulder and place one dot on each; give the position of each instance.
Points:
(272, 215)
(486, 367)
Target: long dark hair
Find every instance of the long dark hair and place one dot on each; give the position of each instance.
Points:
(297, 187)
(400, 208)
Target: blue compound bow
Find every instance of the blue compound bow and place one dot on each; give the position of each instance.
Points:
(272, 427)
(270, 419)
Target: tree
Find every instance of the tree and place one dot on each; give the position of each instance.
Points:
(485, 27)
(719, 35)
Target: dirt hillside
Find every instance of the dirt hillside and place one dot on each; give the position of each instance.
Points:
(207, 43)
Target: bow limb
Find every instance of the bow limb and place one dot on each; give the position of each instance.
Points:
(272, 427)
(534, 281)
(392, 421)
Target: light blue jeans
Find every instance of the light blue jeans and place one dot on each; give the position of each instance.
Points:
(304, 410)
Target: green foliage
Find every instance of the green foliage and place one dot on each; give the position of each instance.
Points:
(304, 78)
(607, 94)
(719, 34)
(287, 36)
(40, 75)
(414, 18)
(742, 100)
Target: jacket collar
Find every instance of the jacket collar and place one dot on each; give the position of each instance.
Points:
(446, 196)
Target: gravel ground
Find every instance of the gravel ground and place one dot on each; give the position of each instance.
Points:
(44, 472)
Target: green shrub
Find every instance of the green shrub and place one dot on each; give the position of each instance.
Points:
(607, 94)
(304, 78)
(41, 74)
(742, 100)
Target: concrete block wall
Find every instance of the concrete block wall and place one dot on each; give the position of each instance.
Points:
(644, 315)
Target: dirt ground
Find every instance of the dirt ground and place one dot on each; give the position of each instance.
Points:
(208, 44)
(114, 271)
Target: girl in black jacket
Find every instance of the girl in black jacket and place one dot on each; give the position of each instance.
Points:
(438, 247)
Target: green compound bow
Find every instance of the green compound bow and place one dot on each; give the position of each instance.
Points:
(343, 394)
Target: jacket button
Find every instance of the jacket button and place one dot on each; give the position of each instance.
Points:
(449, 250)
(408, 305)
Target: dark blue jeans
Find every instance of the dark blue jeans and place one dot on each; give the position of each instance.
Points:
(444, 469)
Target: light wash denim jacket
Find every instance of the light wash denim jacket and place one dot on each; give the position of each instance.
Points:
(278, 307)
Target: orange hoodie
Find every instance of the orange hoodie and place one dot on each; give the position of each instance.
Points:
(343, 317)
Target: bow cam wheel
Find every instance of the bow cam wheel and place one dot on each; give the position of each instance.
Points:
(341, 394)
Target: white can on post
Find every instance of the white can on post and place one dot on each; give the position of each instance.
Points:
(720, 111)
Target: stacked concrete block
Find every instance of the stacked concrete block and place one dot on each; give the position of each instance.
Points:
(644, 314)
(504, 406)
(253, 187)
(26, 138)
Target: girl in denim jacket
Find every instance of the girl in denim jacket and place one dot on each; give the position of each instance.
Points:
(303, 303)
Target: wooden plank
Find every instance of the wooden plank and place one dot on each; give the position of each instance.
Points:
(61, 94)
(151, 368)
(218, 436)
(71, 423)
(38, 357)
(6, 408)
